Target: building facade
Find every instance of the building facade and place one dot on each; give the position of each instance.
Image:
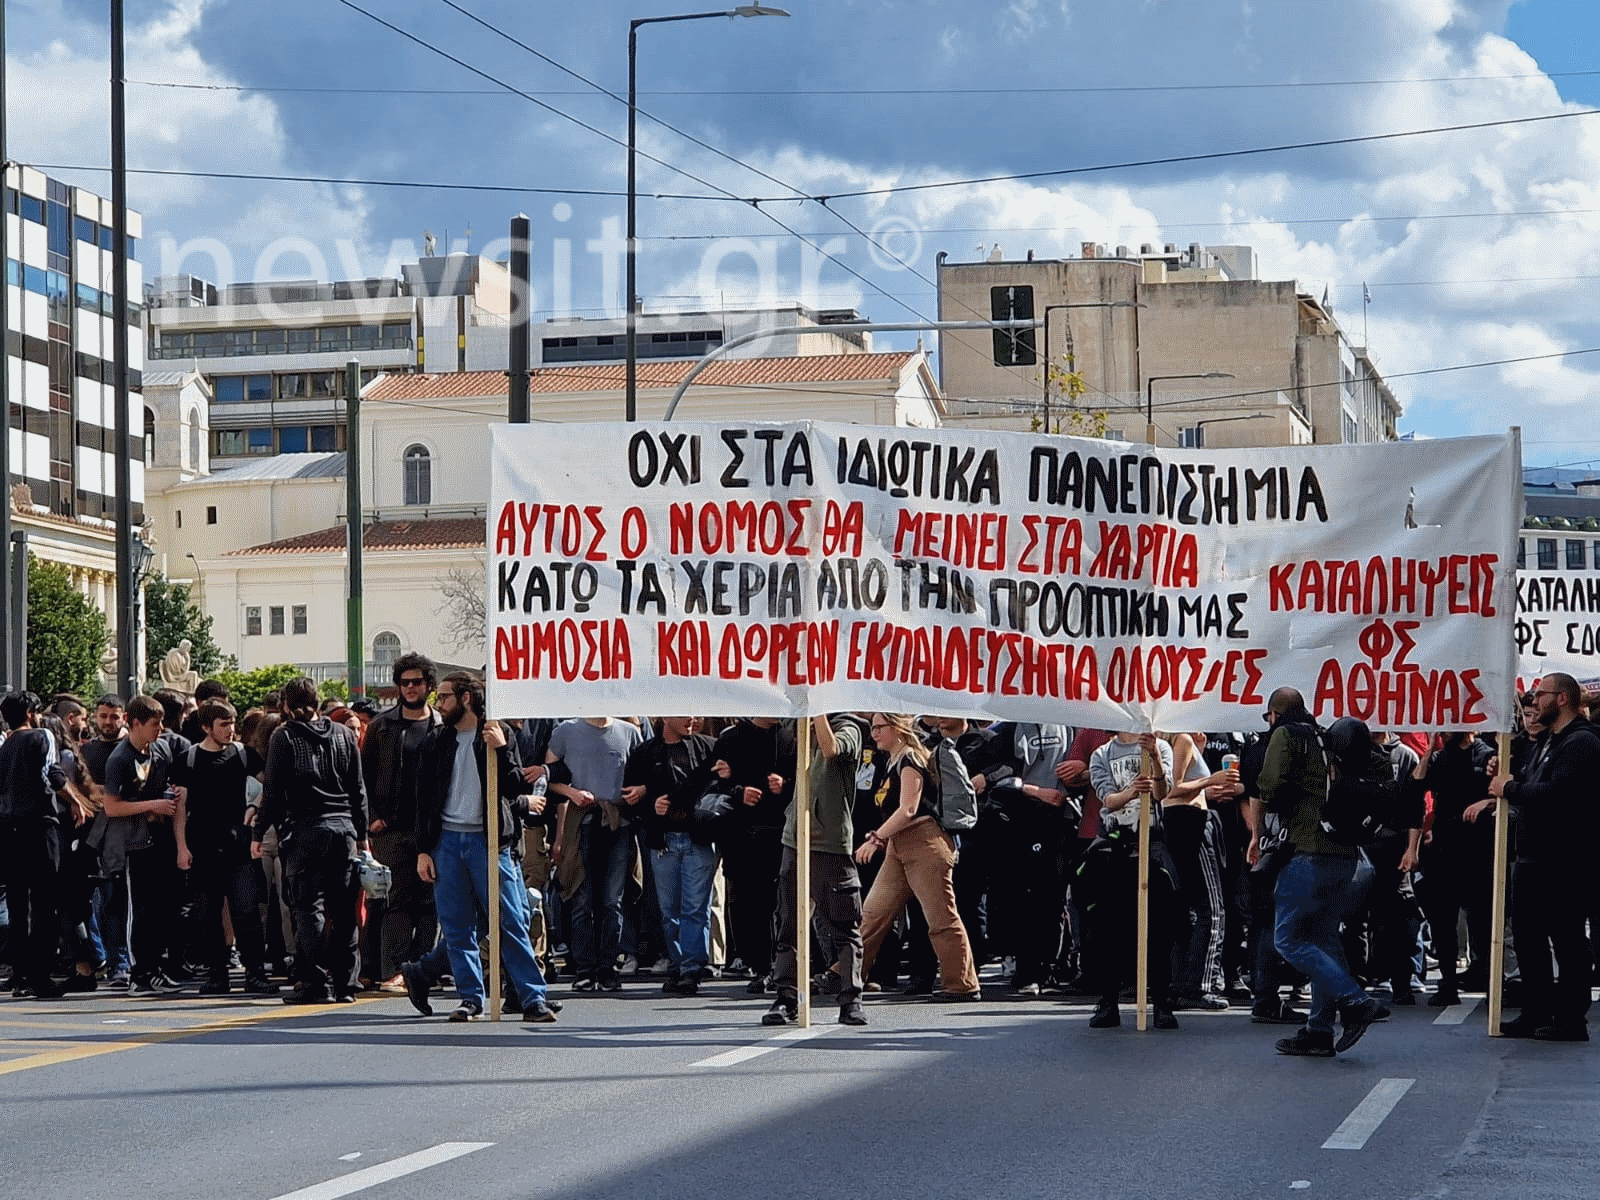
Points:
(1188, 338)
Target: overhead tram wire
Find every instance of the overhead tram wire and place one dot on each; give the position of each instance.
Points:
(850, 92)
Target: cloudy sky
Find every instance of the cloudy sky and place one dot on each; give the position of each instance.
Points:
(1476, 246)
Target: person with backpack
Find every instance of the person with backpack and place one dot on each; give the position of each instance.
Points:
(919, 859)
(1327, 801)
(213, 827)
(835, 886)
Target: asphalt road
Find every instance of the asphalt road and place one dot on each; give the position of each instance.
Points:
(638, 1095)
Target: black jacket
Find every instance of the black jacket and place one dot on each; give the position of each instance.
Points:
(1556, 802)
(435, 767)
(679, 778)
(752, 753)
(30, 775)
(391, 797)
(313, 780)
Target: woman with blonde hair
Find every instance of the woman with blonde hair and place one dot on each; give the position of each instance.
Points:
(919, 857)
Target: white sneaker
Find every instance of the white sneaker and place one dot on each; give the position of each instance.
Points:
(630, 966)
(662, 966)
(1008, 967)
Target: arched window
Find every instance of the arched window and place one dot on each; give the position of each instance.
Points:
(419, 475)
(194, 441)
(385, 649)
(149, 437)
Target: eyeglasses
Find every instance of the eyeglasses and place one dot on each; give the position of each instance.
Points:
(447, 695)
(413, 682)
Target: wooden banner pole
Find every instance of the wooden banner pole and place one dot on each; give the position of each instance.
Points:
(802, 867)
(491, 836)
(1497, 899)
(1141, 970)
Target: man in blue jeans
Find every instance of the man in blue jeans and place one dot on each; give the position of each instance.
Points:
(1322, 882)
(595, 751)
(452, 847)
(664, 779)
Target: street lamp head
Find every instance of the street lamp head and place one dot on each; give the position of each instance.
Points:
(758, 10)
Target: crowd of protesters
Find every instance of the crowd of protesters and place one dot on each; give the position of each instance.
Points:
(172, 846)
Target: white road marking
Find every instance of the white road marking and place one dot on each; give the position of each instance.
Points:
(350, 1157)
(732, 1058)
(1299, 1185)
(1457, 1014)
(360, 1181)
(1363, 1122)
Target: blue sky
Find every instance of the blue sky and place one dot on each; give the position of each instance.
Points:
(850, 94)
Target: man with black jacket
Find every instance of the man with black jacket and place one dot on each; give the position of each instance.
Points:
(1551, 884)
(390, 753)
(758, 758)
(30, 843)
(453, 847)
(314, 795)
(663, 781)
(1458, 863)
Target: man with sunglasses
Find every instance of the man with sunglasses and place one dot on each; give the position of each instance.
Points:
(404, 925)
(1551, 887)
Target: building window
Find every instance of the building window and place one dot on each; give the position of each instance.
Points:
(297, 615)
(292, 439)
(227, 443)
(1192, 437)
(1522, 554)
(1577, 554)
(275, 619)
(1547, 554)
(259, 441)
(177, 518)
(149, 438)
(211, 514)
(385, 650)
(194, 441)
(324, 438)
(418, 476)
(252, 622)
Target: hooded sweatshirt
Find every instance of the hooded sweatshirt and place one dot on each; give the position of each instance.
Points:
(313, 781)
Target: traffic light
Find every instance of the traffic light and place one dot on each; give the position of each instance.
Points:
(1013, 347)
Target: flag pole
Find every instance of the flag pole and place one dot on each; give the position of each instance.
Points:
(1141, 969)
(491, 836)
(1497, 899)
(802, 868)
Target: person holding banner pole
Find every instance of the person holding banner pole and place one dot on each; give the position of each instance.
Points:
(919, 859)
(453, 821)
(1551, 884)
(835, 890)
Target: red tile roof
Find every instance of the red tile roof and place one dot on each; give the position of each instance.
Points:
(737, 372)
(438, 533)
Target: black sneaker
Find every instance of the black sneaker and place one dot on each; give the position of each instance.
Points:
(943, 997)
(1277, 1012)
(466, 1012)
(1164, 1020)
(305, 995)
(918, 987)
(851, 1013)
(784, 1011)
(1522, 1027)
(1403, 997)
(689, 985)
(166, 984)
(1357, 1019)
(1444, 997)
(538, 1012)
(416, 988)
(1106, 1016)
(756, 987)
(826, 983)
(1202, 1002)
(611, 983)
(1565, 1031)
(1306, 1044)
(80, 983)
(215, 987)
(259, 985)
(669, 986)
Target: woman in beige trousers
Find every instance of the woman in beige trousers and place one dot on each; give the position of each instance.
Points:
(919, 857)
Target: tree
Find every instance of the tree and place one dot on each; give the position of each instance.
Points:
(169, 618)
(462, 606)
(247, 689)
(67, 635)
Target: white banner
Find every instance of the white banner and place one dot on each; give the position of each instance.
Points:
(779, 569)
(1558, 626)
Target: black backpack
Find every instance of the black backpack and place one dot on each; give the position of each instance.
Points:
(1364, 802)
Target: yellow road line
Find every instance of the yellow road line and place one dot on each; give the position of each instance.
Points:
(50, 1058)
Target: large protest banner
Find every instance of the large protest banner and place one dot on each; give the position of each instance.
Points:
(1558, 627)
(776, 569)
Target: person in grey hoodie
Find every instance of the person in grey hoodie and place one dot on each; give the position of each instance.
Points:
(315, 797)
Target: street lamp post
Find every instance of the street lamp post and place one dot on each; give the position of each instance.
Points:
(1045, 317)
(743, 10)
(1201, 424)
(1149, 398)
